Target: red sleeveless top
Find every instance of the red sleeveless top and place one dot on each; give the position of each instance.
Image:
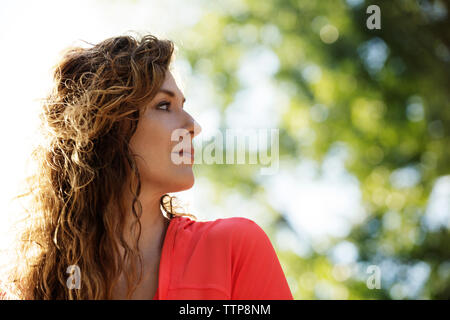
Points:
(224, 259)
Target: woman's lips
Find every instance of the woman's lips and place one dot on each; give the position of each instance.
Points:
(189, 155)
(187, 152)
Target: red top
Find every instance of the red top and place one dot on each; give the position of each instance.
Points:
(224, 259)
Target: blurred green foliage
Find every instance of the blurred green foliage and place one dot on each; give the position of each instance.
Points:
(383, 93)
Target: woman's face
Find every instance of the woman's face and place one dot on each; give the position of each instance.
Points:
(157, 154)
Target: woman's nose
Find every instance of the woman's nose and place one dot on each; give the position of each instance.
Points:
(197, 129)
(194, 127)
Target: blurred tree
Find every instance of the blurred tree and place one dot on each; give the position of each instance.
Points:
(383, 93)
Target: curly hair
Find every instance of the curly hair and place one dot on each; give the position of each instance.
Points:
(83, 164)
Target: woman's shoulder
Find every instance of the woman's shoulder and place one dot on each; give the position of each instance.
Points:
(220, 224)
(230, 229)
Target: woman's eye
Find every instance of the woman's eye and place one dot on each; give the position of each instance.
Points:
(164, 106)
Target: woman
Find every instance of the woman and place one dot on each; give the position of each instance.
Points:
(109, 160)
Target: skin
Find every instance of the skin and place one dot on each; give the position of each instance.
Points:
(153, 147)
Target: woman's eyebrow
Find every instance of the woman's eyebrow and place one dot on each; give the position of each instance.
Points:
(171, 93)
